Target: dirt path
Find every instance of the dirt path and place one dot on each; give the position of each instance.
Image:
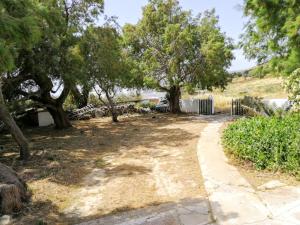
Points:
(98, 168)
(164, 170)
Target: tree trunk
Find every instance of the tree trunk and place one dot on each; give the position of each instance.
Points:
(174, 98)
(114, 114)
(14, 129)
(59, 116)
(81, 99)
(13, 191)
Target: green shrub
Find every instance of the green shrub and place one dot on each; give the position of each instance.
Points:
(268, 142)
(150, 105)
(94, 100)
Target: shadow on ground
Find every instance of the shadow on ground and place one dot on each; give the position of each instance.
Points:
(63, 158)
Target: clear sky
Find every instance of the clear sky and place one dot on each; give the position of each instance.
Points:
(229, 12)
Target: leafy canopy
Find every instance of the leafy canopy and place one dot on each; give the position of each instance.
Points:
(273, 33)
(54, 61)
(19, 29)
(104, 59)
(174, 48)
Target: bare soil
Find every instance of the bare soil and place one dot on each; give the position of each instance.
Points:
(99, 168)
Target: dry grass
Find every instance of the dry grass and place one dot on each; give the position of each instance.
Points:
(268, 87)
(141, 161)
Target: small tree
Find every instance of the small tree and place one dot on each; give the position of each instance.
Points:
(175, 50)
(105, 64)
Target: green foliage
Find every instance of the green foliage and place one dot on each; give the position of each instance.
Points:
(292, 85)
(150, 105)
(175, 49)
(94, 100)
(69, 103)
(127, 97)
(272, 33)
(101, 49)
(106, 64)
(268, 142)
(46, 71)
(57, 52)
(19, 29)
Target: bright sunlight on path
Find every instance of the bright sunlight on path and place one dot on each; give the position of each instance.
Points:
(233, 200)
(186, 212)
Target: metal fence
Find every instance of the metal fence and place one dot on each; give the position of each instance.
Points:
(237, 107)
(206, 106)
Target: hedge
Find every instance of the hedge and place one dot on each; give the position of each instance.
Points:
(268, 142)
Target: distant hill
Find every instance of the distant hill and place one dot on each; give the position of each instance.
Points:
(268, 87)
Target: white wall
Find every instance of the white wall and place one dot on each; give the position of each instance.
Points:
(277, 103)
(190, 106)
(45, 119)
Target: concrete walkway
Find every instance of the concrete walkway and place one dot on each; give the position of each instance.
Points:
(187, 212)
(233, 200)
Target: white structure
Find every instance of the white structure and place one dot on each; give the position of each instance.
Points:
(277, 103)
(45, 119)
(192, 106)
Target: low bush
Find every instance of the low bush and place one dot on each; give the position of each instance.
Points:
(149, 105)
(268, 142)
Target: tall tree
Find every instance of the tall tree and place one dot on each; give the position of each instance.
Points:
(106, 65)
(273, 33)
(48, 72)
(19, 29)
(176, 50)
(273, 37)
